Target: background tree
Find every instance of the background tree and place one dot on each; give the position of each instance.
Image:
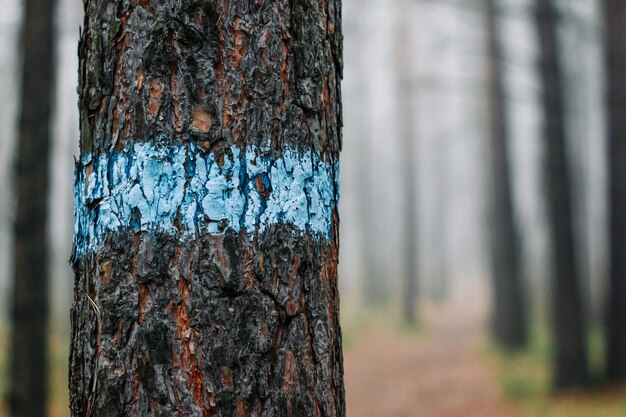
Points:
(615, 64)
(570, 363)
(206, 238)
(375, 287)
(509, 311)
(406, 120)
(441, 277)
(30, 305)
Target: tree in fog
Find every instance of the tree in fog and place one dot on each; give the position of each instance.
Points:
(28, 357)
(567, 310)
(441, 284)
(615, 64)
(405, 119)
(509, 319)
(206, 234)
(374, 286)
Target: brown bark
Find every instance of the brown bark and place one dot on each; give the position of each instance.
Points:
(615, 64)
(28, 369)
(215, 322)
(509, 319)
(570, 367)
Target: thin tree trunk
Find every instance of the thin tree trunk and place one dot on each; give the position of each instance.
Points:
(408, 139)
(509, 311)
(570, 353)
(28, 369)
(374, 290)
(615, 61)
(206, 235)
(441, 284)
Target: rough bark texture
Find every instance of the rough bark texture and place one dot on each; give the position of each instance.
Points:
(28, 369)
(509, 310)
(570, 353)
(615, 62)
(225, 311)
(408, 138)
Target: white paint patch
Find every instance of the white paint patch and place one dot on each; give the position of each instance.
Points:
(184, 191)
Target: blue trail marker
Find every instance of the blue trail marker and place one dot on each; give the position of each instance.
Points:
(184, 190)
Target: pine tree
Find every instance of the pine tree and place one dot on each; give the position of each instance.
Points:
(30, 304)
(206, 235)
(509, 311)
(615, 64)
(567, 316)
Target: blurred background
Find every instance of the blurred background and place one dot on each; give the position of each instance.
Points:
(451, 266)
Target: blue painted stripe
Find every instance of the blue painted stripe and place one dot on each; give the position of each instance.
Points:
(183, 190)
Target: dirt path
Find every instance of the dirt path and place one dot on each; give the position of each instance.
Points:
(435, 374)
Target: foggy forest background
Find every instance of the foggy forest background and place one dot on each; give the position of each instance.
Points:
(447, 84)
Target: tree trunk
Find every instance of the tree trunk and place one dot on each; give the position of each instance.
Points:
(206, 234)
(375, 291)
(569, 332)
(406, 130)
(28, 369)
(441, 281)
(509, 311)
(615, 62)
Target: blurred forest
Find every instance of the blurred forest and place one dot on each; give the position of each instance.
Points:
(480, 228)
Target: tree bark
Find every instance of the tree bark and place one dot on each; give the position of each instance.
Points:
(570, 353)
(509, 319)
(206, 234)
(28, 369)
(408, 138)
(615, 66)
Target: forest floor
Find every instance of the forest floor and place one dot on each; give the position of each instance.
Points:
(438, 371)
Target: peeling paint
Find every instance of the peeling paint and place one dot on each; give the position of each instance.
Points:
(183, 190)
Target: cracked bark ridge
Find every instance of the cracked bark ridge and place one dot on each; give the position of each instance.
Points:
(245, 72)
(214, 324)
(217, 326)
